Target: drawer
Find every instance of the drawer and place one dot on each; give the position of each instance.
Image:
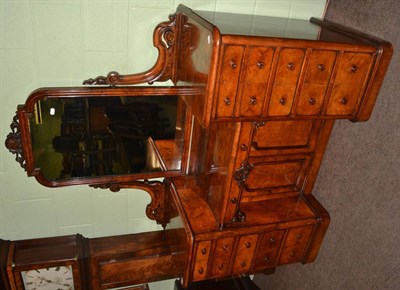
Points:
(244, 253)
(268, 250)
(256, 80)
(285, 83)
(201, 260)
(229, 79)
(222, 257)
(287, 137)
(349, 83)
(295, 245)
(318, 74)
(271, 179)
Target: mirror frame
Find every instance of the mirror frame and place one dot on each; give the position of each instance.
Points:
(19, 141)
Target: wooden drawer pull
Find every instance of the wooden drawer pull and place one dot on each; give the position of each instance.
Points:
(272, 240)
(243, 264)
(344, 101)
(290, 66)
(253, 101)
(321, 67)
(233, 64)
(354, 68)
(225, 247)
(260, 64)
(243, 147)
(204, 251)
(292, 254)
(201, 271)
(248, 244)
(227, 101)
(266, 259)
(282, 101)
(221, 267)
(299, 236)
(312, 101)
(234, 200)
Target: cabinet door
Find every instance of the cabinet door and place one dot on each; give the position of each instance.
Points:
(229, 79)
(349, 83)
(316, 82)
(268, 250)
(285, 83)
(244, 253)
(296, 244)
(201, 260)
(256, 80)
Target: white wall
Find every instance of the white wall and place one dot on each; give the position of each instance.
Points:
(61, 43)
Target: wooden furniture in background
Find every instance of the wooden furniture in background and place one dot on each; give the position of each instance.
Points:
(257, 100)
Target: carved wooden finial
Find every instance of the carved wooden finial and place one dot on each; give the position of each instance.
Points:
(14, 142)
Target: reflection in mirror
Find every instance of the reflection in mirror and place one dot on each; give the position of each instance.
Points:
(95, 136)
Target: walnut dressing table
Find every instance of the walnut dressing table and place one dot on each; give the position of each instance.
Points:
(239, 139)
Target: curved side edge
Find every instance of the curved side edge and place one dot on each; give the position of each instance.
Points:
(164, 39)
(155, 210)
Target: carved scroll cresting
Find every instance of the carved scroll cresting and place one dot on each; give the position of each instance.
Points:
(14, 142)
(164, 39)
(155, 210)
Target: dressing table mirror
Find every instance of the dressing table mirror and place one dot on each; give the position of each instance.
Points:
(238, 140)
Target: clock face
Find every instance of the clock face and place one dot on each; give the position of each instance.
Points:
(55, 278)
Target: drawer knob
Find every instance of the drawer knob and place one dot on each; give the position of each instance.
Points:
(253, 100)
(272, 240)
(234, 200)
(221, 267)
(299, 236)
(344, 101)
(260, 64)
(282, 101)
(290, 66)
(233, 64)
(243, 147)
(312, 101)
(292, 254)
(225, 247)
(204, 251)
(248, 244)
(354, 68)
(227, 101)
(201, 271)
(321, 67)
(243, 264)
(266, 259)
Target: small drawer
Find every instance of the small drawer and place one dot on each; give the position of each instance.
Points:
(244, 253)
(222, 256)
(296, 244)
(349, 83)
(229, 79)
(285, 83)
(268, 250)
(256, 80)
(201, 262)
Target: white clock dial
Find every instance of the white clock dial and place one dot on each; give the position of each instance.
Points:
(54, 278)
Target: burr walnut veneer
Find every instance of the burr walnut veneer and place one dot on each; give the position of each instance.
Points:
(239, 139)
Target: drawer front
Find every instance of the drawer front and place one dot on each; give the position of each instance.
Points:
(296, 244)
(256, 80)
(284, 137)
(268, 250)
(222, 256)
(244, 253)
(349, 83)
(229, 80)
(285, 83)
(201, 262)
(266, 178)
(316, 82)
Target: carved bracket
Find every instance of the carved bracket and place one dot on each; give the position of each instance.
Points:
(155, 210)
(164, 38)
(243, 173)
(14, 142)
